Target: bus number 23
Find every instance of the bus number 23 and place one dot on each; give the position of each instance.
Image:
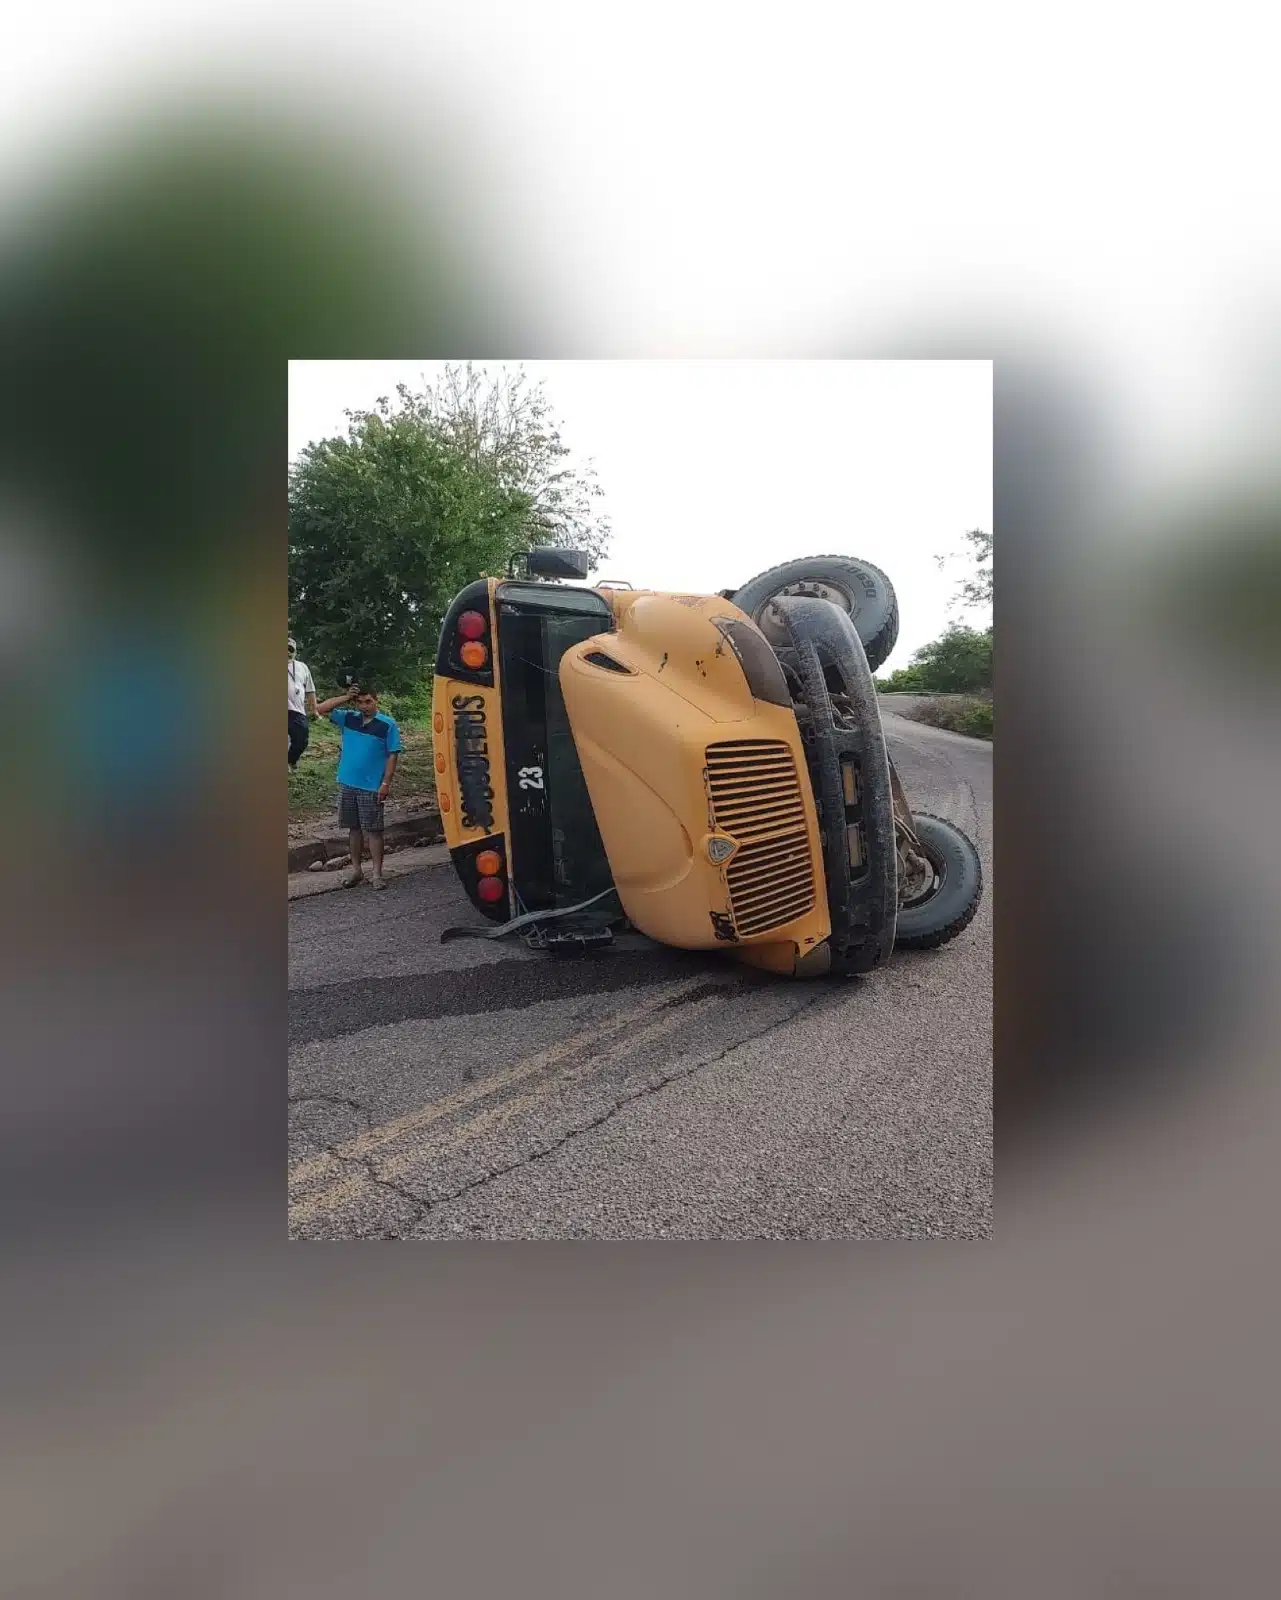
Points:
(531, 777)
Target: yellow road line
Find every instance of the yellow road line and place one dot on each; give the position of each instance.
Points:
(372, 1139)
(485, 1121)
(328, 1199)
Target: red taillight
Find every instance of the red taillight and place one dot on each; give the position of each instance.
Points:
(471, 625)
(490, 890)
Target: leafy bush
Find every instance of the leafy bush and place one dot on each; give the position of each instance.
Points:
(907, 680)
(411, 708)
(957, 662)
(968, 714)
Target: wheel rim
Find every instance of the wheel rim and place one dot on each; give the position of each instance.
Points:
(938, 868)
(773, 626)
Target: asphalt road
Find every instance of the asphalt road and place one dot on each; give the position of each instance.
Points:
(477, 1090)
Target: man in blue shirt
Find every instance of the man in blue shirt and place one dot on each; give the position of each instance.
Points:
(370, 746)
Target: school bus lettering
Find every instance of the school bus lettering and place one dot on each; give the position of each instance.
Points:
(471, 744)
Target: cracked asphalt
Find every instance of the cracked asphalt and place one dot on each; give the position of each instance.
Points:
(477, 1090)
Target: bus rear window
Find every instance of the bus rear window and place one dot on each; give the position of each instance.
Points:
(557, 855)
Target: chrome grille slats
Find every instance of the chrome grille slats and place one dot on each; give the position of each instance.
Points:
(748, 882)
(760, 902)
(756, 798)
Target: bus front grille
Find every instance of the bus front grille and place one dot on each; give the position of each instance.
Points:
(756, 799)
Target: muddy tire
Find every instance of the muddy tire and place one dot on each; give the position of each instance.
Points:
(949, 906)
(862, 897)
(857, 587)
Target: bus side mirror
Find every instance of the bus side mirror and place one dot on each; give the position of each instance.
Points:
(547, 563)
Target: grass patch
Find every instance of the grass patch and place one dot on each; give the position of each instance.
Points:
(958, 713)
(313, 784)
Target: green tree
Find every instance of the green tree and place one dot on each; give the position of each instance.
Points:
(973, 592)
(959, 661)
(424, 494)
(384, 527)
(501, 424)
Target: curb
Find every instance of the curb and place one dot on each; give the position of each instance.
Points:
(411, 830)
(303, 885)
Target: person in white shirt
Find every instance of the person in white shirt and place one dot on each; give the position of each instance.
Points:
(302, 704)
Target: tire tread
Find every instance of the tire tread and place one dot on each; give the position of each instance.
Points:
(877, 649)
(941, 936)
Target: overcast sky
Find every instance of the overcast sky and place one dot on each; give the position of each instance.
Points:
(715, 470)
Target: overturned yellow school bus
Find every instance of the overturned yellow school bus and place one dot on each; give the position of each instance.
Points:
(707, 768)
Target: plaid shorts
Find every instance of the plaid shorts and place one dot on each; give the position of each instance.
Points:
(359, 808)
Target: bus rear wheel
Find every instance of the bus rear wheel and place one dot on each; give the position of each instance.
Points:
(856, 587)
